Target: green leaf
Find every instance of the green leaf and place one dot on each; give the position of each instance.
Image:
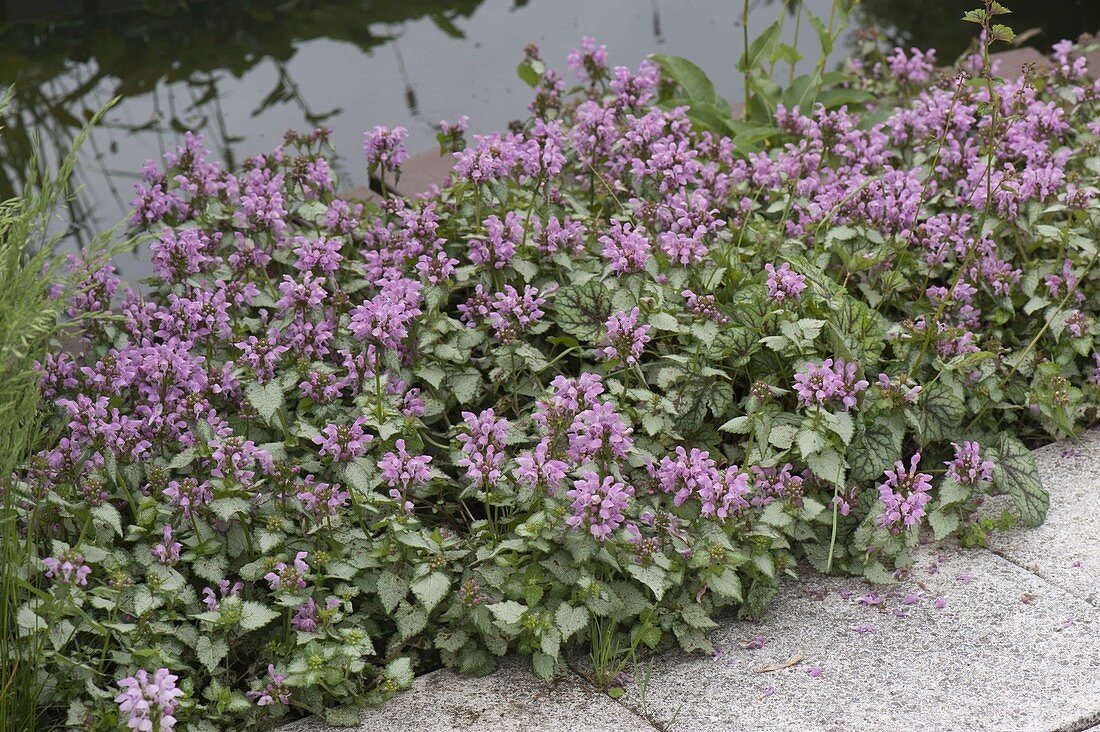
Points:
(255, 615)
(265, 398)
(345, 715)
(727, 584)
(400, 671)
(227, 508)
(108, 515)
(938, 413)
(211, 651)
(841, 423)
(584, 309)
(570, 620)
(827, 465)
(543, 665)
(1017, 475)
(652, 577)
(692, 79)
(464, 385)
(875, 451)
(664, 321)
(943, 524)
(696, 617)
(823, 36)
(760, 49)
(737, 425)
(431, 589)
(391, 590)
(508, 612)
(530, 71)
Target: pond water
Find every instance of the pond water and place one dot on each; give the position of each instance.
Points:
(242, 73)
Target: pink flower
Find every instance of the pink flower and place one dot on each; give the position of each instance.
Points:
(149, 700)
(273, 690)
(598, 505)
(68, 568)
(385, 148)
(290, 578)
(625, 339)
(904, 496)
(403, 471)
(784, 283)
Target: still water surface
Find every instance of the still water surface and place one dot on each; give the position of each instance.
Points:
(243, 73)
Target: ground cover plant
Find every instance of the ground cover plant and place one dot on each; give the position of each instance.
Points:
(636, 362)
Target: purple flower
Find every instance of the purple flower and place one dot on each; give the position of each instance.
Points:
(483, 447)
(538, 470)
(343, 443)
(149, 700)
(167, 552)
(598, 505)
(274, 689)
(213, 601)
(704, 306)
(589, 61)
(870, 599)
(599, 433)
(188, 495)
(968, 468)
(384, 319)
(627, 250)
(499, 246)
(774, 484)
(385, 147)
(402, 471)
(828, 384)
(321, 499)
(513, 313)
(940, 603)
(290, 578)
(814, 671)
(904, 496)
(625, 338)
(756, 643)
(784, 283)
(68, 568)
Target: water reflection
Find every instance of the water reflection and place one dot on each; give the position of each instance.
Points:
(176, 66)
(244, 72)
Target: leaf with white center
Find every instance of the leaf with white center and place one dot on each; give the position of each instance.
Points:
(570, 620)
(508, 612)
(1016, 474)
(583, 310)
(211, 651)
(265, 398)
(255, 615)
(431, 589)
(400, 672)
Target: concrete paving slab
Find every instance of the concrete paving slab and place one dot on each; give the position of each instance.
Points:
(1066, 549)
(1007, 651)
(423, 170)
(511, 700)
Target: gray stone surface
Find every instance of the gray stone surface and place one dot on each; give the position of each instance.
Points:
(510, 700)
(1008, 651)
(1066, 549)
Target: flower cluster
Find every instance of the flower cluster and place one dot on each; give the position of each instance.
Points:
(149, 700)
(830, 383)
(904, 495)
(623, 349)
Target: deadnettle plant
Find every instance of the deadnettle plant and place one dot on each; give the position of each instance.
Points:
(616, 372)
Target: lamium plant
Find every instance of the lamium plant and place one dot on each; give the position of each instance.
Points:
(630, 366)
